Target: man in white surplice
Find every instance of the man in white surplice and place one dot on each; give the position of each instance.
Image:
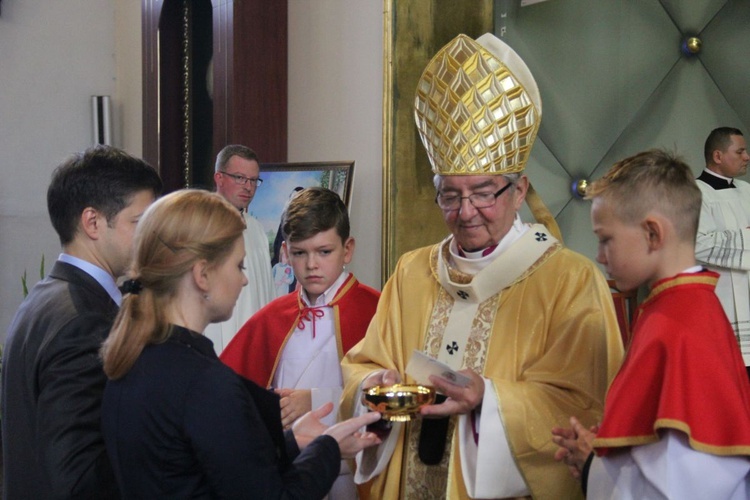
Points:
(723, 241)
(237, 177)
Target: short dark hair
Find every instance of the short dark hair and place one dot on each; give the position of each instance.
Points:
(101, 177)
(314, 210)
(234, 150)
(718, 140)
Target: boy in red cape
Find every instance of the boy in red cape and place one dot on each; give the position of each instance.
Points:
(676, 418)
(296, 342)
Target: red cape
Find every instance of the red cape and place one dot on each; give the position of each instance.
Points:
(683, 371)
(255, 351)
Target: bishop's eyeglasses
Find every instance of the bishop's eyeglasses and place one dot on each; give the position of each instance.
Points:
(242, 180)
(451, 201)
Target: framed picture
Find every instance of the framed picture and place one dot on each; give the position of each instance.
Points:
(282, 180)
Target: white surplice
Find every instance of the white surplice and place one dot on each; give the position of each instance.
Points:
(668, 469)
(312, 362)
(723, 245)
(259, 291)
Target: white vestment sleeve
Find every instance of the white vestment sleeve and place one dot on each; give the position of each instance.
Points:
(489, 469)
(723, 238)
(668, 469)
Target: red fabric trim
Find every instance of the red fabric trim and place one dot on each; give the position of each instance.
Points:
(309, 314)
(683, 371)
(254, 352)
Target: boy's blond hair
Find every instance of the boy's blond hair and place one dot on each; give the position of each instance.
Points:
(653, 180)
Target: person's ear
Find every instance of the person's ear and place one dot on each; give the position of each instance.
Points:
(349, 245)
(218, 179)
(284, 252)
(92, 222)
(717, 156)
(654, 232)
(200, 275)
(519, 191)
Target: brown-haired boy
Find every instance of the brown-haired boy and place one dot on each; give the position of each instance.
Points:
(676, 419)
(296, 342)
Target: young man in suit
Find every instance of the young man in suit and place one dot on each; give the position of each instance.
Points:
(52, 380)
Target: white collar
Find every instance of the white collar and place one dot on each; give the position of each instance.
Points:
(326, 297)
(473, 262)
(728, 179)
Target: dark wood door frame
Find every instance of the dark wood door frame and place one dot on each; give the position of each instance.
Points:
(248, 81)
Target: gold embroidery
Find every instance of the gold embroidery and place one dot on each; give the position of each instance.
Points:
(426, 482)
(431, 481)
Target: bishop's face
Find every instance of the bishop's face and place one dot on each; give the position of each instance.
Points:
(478, 228)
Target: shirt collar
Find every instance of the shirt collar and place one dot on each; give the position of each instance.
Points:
(474, 262)
(100, 275)
(711, 172)
(692, 269)
(327, 296)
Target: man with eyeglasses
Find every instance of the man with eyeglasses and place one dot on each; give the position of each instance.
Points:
(528, 321)
(237, 177)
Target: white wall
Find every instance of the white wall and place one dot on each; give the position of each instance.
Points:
(128, 99)
(336, 106)
(53, 57)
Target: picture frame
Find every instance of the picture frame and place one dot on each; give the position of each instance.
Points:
(280, 180)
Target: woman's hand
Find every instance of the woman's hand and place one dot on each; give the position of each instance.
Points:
(346, 433)
(351, 440)
(309, 426)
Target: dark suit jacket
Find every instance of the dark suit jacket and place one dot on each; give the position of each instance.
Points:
(52, 387)
(181, 424)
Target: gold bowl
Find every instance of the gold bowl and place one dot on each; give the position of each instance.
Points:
(399, 402)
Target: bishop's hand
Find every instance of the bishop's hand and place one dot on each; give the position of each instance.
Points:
(381, 378)
(460, 400)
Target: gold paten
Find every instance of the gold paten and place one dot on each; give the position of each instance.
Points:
(473, 114)
(399, 402)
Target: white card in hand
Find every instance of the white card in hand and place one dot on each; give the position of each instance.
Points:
(421, 366)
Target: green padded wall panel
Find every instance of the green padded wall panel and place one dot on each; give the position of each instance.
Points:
(614, 81)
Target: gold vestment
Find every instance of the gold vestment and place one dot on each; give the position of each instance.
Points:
(551, 347)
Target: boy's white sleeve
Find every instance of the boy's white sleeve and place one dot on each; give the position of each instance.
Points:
(669, 468)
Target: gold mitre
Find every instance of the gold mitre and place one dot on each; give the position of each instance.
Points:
(477, 108)
(478, 111)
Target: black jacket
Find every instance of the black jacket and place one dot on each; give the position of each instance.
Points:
(181, 424)
(52, 386)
